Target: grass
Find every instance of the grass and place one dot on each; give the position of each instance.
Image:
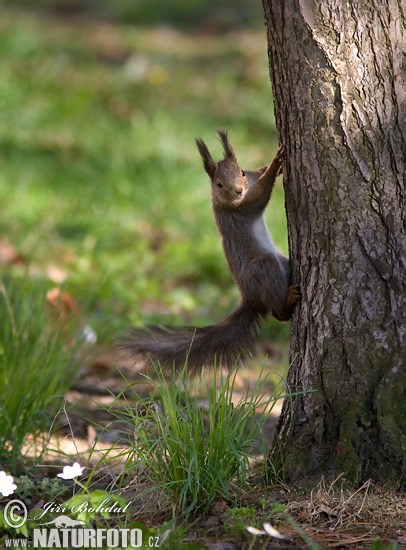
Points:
(194, 451)
(37, 365)
(107, 184)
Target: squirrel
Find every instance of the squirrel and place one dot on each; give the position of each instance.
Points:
(239, 198)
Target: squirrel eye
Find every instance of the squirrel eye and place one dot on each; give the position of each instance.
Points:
(219, 184)
(243, 173)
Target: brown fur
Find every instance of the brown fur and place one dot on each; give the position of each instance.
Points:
(261, 273)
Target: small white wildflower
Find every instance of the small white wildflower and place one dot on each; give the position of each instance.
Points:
(70, 472)
(89, 334)
(272, 532)
(7, 485)
(255, 531)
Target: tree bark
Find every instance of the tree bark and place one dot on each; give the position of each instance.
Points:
(338, 71)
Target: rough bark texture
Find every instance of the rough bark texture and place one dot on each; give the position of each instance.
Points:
(338, 71)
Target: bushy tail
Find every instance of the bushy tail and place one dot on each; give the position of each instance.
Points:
(223, 343)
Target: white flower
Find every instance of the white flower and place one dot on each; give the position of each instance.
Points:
(7, 485)
(70, 472)
(255, 531)
(272, 532)
(89, 334)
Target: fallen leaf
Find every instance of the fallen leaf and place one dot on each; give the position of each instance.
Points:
(9, 255)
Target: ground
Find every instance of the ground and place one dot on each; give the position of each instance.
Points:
(321, 514)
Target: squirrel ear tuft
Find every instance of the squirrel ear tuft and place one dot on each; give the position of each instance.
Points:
(229, 151)
(208, 163)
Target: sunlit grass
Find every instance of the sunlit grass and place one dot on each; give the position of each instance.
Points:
(38, 362)
(195, 451)
(100, 175)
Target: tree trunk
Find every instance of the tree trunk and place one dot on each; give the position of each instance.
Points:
(339, 80)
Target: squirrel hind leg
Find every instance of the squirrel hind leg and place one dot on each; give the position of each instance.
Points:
(293, 295)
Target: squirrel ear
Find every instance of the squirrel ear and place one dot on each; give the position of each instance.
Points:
(229, 151)
(208, 163)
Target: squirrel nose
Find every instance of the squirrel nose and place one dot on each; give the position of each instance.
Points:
(239, 190)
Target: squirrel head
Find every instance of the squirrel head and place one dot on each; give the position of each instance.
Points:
(229, 183)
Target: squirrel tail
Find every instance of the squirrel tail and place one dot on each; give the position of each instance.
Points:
(224, 343)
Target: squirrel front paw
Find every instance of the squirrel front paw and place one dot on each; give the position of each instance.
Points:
(278, 161)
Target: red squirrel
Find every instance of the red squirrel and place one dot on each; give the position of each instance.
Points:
(239, 198)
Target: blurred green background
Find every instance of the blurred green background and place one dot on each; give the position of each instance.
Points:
(205, 14)
(101, 185)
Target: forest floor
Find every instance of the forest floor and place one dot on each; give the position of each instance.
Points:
(318, 515)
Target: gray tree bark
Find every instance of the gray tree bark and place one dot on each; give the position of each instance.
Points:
(338, 72)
